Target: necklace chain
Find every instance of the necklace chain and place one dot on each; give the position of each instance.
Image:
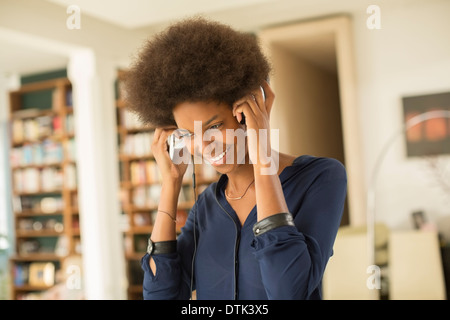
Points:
(239, 198)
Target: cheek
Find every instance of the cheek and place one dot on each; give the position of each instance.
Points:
(218, 140)
(237, 137)
(213, 143)
(214, 137)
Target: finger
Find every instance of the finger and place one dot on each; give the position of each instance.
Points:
(236, 113)
(164, 137)
(244, 109)
(238, 103)
(160, 140)
(253, 103)
(239, 117)
(157, 134)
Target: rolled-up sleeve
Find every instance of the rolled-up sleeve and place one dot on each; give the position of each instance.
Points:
(173, 271)
(292, 259)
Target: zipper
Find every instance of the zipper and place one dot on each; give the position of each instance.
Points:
(236, 245)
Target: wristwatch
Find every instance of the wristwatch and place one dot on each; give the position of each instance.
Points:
(161, 247)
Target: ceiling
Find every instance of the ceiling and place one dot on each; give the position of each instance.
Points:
(134, 14)
(19, 56)
(147, 16)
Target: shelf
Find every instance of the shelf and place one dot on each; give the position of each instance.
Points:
(42, 85)
(120, 103)
(45, 165)
(35, 257)
(38, 166)
(41, 134)
(124, 130)
(135, 288)
(181, 206)
(32, 113)
(129, 185)
(36, 213)
(37, 234)
(134, 255)
(55, 138)
(37, 193)
(31, 288)
(128, 158)
(140, 230)
(134, 140)
(74, 210)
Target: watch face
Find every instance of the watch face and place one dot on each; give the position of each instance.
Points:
(150, 246)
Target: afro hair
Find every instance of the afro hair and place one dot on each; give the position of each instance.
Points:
(193, 60)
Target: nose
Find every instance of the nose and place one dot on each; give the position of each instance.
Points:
(209, 145)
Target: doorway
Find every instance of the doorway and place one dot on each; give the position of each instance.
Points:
(315, 106)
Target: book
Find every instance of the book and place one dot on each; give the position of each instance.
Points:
(138, 144)
(30, 180)
(21, 271)
(70, 124)
(69, 148)
(70, 176)
(33, 129)
(57, 125)
(17, 131)
(69, 101)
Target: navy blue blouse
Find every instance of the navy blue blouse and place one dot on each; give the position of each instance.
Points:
(230, 262)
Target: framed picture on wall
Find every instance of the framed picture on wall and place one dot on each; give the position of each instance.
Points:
(431, 137)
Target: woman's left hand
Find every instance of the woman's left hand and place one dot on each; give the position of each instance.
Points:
(256, 110)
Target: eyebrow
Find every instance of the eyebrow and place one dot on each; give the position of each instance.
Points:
(204, 124)
(211, 120)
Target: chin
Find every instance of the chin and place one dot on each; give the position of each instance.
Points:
(227, 168)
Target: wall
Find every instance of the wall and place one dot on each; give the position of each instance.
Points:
(308, 106)
(409, 55)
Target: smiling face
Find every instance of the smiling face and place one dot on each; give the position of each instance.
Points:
(222, 143)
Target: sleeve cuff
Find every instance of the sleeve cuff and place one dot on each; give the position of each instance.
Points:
(272, 222)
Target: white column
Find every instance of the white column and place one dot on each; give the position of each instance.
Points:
(98, 182)
(7, 82)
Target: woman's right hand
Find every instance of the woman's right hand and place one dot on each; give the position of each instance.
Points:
(169, 170)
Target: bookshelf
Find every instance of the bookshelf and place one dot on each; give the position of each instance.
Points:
(140, 185)
(44, 185)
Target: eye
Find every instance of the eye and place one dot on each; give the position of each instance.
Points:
(215, 126)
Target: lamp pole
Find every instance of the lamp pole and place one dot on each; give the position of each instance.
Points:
(370, 213)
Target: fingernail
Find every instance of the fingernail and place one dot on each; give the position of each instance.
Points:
(239, 117)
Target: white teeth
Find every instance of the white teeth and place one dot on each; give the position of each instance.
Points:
(220, 156)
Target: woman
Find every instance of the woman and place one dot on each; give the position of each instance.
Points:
(256, 233)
